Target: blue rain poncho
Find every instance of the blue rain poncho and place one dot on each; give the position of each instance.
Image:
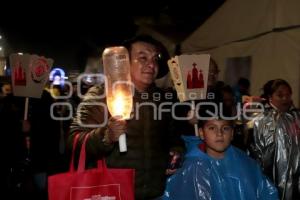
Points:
(235, 177)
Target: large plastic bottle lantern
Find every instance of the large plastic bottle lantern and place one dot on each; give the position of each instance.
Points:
(119, 88)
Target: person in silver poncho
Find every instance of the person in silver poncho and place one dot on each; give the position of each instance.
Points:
(276, 139)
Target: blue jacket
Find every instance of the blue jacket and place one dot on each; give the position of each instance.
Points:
(235, 177)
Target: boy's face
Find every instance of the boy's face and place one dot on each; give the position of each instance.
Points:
(217, 135)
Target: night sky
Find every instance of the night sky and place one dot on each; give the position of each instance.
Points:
(69, 34)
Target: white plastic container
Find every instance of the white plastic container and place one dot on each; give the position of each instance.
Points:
(119, 88)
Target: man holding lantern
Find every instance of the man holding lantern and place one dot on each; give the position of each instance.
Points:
(149, 139)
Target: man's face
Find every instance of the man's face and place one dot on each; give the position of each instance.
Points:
(217, 135)
(144, 65)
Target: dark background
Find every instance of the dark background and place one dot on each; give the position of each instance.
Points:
(69, 34)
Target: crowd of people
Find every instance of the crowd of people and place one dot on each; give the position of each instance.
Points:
(232, 159)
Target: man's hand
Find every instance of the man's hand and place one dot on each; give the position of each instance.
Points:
(174, 162)
(116, 127)
(170, 172)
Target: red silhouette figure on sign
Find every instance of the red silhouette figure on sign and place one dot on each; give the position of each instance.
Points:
(19, 74)
(189, 81)
(195, 79)
(201, 79)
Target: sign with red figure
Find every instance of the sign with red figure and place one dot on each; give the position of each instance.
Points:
(189, 74)
(29, 74)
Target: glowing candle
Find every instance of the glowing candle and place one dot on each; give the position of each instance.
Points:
(118, 91)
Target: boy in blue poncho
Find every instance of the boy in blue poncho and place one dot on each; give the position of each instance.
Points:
(221, 172)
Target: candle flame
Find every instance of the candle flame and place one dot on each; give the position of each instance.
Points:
(120, 105)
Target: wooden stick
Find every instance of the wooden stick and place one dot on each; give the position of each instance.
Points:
(195, 125)
(26, 108)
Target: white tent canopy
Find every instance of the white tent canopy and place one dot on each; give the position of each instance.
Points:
(268, 31)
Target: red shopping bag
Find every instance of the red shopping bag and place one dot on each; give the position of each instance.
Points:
(100, 183)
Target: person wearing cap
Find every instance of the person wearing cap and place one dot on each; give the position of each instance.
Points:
(149, 139)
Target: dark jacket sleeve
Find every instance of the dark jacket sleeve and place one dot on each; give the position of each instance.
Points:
(91, 118)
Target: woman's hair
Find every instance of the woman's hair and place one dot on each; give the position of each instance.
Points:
(271, 86)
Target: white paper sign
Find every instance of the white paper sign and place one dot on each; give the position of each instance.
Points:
(29, 74)
(189, 74)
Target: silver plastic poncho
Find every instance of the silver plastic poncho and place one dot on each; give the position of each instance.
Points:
(277, 147)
